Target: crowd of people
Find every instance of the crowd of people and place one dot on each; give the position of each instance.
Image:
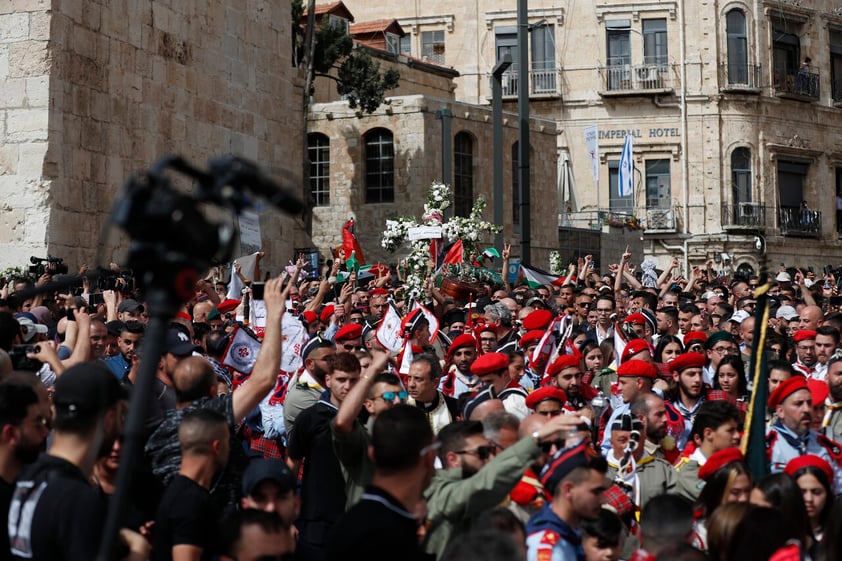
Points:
(597, 417)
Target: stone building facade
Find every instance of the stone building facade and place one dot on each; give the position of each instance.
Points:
(737, 136)
(93, 91)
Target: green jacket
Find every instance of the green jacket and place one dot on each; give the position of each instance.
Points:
(352, 452)
(453, 502)
(655, 476)
(689, 485)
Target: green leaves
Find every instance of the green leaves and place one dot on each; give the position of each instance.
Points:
(362, 84)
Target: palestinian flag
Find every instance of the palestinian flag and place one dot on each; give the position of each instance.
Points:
(350, 243)
(537, 277)
(446, 254)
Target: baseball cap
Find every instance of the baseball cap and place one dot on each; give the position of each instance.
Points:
(739, 316)
(786, 312)
(86, 390)
(261, 470)
(29, 328)
(129, 306)
(783, 277)
(178, 343)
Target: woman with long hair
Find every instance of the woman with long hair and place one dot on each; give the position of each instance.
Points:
(779, 491)
(730, 377)
(722, 527)
(668, 347)
(727, 480)
(814, 477)
(592, 355)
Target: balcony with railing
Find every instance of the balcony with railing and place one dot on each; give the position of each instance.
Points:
(800, 222)
(638, 79)
(542, 83)
(746, 216)
(745, 78)
(801, 85)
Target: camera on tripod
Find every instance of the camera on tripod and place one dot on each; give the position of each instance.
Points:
(47, 265)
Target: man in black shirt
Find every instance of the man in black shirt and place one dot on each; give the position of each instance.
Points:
(404, 459)
(185, 527)
(22, 434)
(56, 514)
(323, 485)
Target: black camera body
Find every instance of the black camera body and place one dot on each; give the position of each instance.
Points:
(21, 362)
(49, 265)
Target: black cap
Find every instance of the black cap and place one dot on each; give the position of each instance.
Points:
(86, 390)
(115, 327)
(179, 343)
(261, 470)
(316, 342)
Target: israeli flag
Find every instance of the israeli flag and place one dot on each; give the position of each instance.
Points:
(626, 179)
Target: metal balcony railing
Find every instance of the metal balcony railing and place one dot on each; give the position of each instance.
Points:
(638, 78)
(541, 82)
(733, 76)
(802, 84)
(800, 222)
(744, 215)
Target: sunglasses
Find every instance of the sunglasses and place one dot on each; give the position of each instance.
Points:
(390, 396)
(482, 452)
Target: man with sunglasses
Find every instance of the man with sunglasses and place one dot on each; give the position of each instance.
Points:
(474, 479)
(349, 338)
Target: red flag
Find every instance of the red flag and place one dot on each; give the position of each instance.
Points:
(446, 254)
(350, 243)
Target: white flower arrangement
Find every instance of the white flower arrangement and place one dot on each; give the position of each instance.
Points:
(556, 268)
(468, 229)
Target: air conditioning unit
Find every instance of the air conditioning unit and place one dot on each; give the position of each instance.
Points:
(747, 211)
(660, 219)
(649, 76)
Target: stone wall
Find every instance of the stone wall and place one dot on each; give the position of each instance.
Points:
(97, 90)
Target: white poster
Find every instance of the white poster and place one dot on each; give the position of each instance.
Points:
(592, 145)
(250, 240)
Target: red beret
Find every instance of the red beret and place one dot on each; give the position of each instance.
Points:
(327, 312)
(489, 363)
(809, 460)
(637, 319)
(562, 362)
(349, 331)
(692, 336)
(538, 319)
(804, 335)
(227, 306)
(530, 337)
(818, 389)
(310, 316)
(639, 368)
(183, 315)
(545, 393)
(633, 347)
(786, 389)
(720, 459)
(686, 360)
(487, 327)
(464, 340)
(379, 292)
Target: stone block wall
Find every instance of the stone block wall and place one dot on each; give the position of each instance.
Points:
(94, 91)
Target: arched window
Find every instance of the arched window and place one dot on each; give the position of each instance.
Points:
(379, 166)
(515, 184)
(741, 175)
(318, 152)
(463, 174)
(735, 25)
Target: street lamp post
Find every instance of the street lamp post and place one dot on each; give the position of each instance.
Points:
(497, 140)
(523, 129)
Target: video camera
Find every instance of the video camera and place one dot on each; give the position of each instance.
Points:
(122, 281)
(49, 265)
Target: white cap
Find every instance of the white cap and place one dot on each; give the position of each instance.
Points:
(787, 312)
(29, 328)
(783, 276)
(739, 316)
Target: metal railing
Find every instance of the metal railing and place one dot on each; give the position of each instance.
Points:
(803, 84)
(739, 76)
(638, 77)
(593, 219)
(744, 215)
(800, 222)
(541, 82)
